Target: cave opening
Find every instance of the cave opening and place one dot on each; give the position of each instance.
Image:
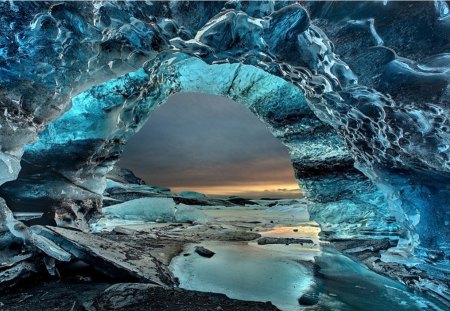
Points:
(212, 145)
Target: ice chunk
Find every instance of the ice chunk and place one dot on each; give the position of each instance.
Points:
(17, 228)
(187, 213)
(114, 258)
(20, 270)
(21, 231)
(108, 224)
(149, 209)
(50, 248)
(156, 209)
(9, 167)
(191, 195)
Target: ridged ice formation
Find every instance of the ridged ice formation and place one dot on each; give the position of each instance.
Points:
(382, 106)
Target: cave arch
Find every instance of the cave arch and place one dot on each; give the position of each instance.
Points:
(82, 146)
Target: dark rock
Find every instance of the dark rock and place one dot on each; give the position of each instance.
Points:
(51, 295)
(204, 251)
(363, 249)
(137, 297)
(308, 299)
(116, 259)
(241, 201)
(123, 231)
(202, 201)
(287, 241)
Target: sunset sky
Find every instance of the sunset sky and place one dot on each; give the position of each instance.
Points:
(211, 145)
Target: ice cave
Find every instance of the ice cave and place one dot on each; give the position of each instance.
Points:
(357, 91)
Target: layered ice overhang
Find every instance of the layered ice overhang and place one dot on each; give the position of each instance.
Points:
(368, 130)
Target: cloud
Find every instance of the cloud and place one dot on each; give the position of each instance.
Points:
(196, 141)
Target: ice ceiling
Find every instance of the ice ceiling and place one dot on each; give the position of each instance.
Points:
(368, 130)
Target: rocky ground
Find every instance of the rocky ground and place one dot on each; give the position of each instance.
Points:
(126, 255)
(138, 256)
(126, 267)
(73, 294)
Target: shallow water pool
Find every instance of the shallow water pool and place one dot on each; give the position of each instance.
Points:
(245, 272)
(282, 274)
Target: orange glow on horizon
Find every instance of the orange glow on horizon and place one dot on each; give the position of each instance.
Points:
(245, 190)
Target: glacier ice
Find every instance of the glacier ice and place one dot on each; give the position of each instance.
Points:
(358, 93)
(23, 232)
(191, 194)
(156, 209)
(187, 213)
(150, 209)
